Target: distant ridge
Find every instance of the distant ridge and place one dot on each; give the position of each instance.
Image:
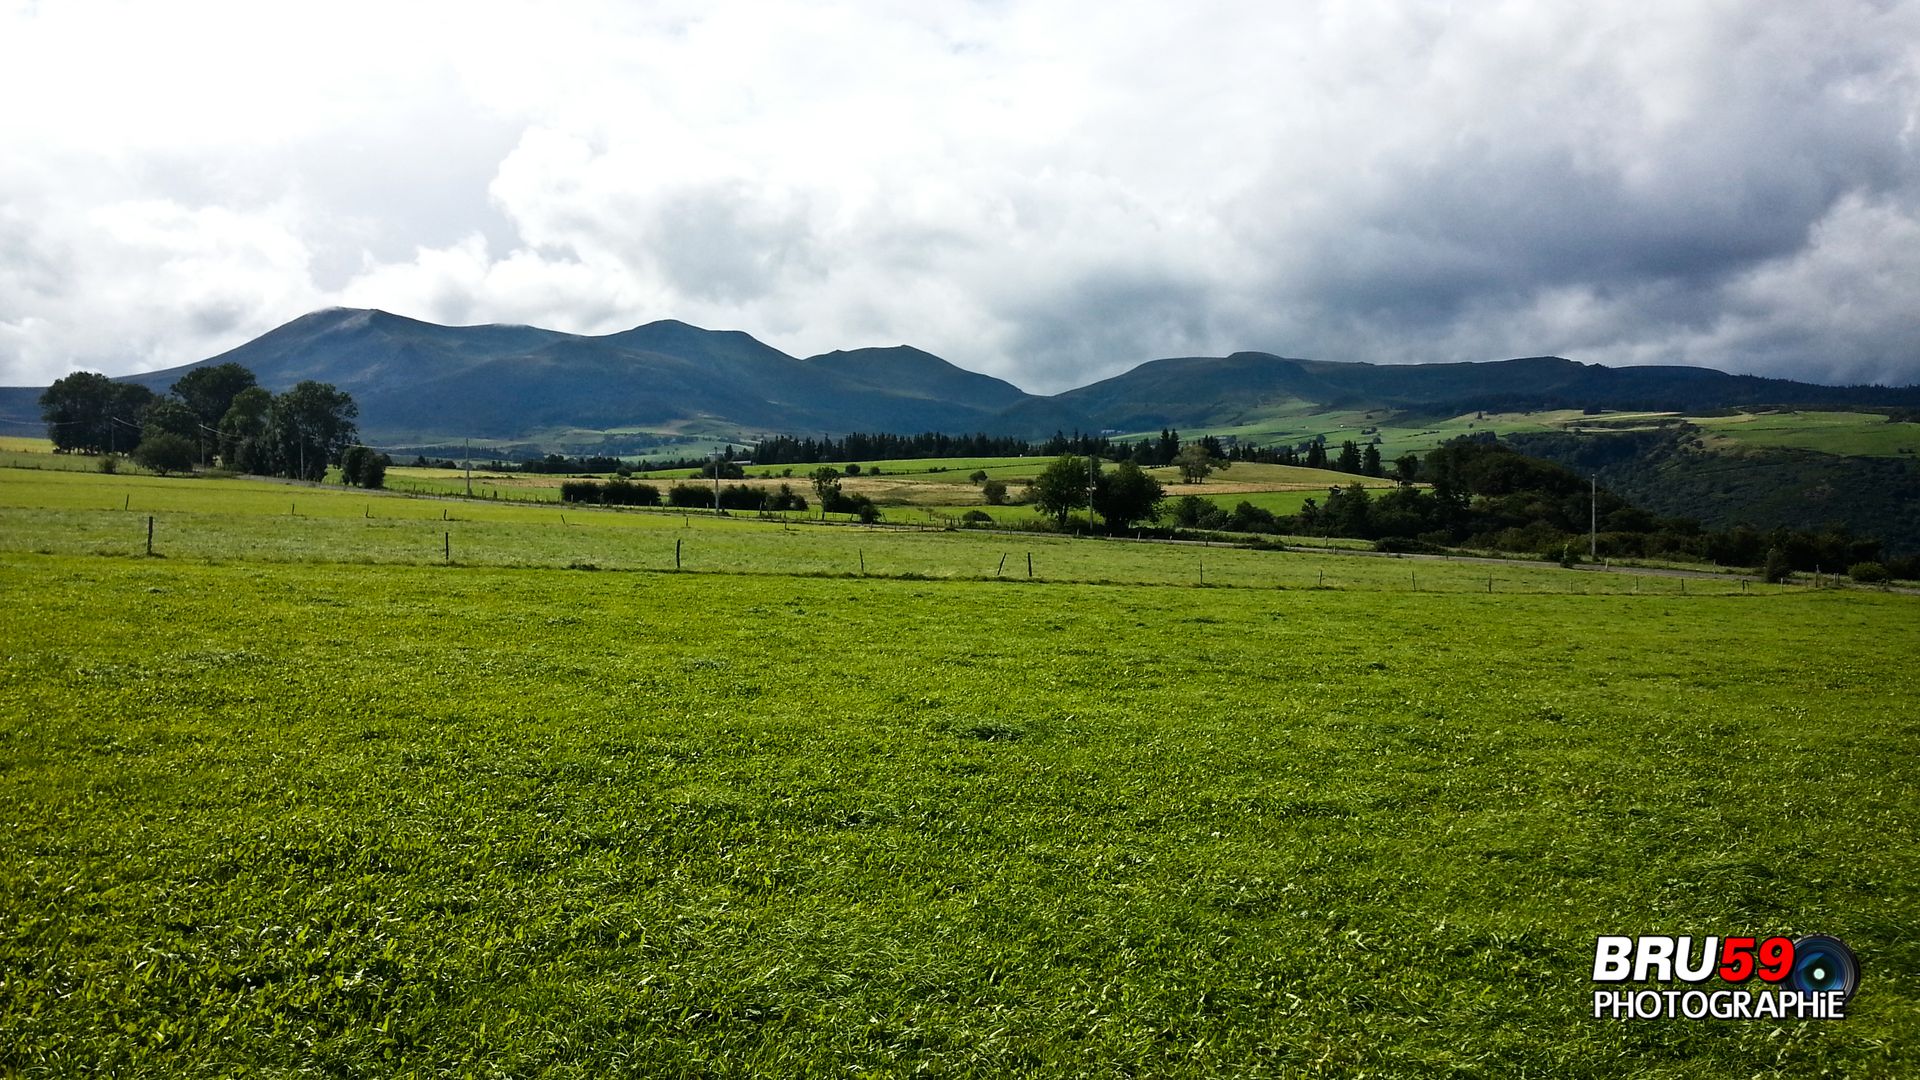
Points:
(420, 382)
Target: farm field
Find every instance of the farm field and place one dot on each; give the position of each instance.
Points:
(1847, 433)
(918, 491)
(298, 796)
(1300, 421)
(1853, 433)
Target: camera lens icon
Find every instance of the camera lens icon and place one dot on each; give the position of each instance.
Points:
(1823, 964)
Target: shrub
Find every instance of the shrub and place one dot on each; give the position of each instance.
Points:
(690, 495)
(1867, 573)
(1777, 568)
(977, 517)
(109, 463)
(164, 452)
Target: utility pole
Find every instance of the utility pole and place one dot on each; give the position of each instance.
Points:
(1593, 519)
(468, 462)
(1093, 482)
(718, 457)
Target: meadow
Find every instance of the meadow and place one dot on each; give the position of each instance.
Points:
(1846, 433)
(298, 795)
(1856, 433)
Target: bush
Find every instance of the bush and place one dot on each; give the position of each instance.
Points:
(109, 463)
(1776, 569)
(977, 517)
(164, 453)
(1867, 573)
(690, 496)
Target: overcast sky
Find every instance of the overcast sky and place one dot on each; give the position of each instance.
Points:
(1050, 193)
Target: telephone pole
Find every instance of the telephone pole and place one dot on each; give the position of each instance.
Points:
(1593, 518)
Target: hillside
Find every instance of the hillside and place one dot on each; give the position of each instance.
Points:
(1218, 392)
(1675, 470)
(418, 382)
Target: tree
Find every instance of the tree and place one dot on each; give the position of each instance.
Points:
(1349, 460)
(76, 408)
(1126, 495)
(243, 432)
(826, 484)
(164, 452)
(1317, 453)
(1061, 487)
(1370, 460)
(1406, 468)
(209, 391)
(1194, 463)
(90, 413)
(374, 473)
(172, 416)
(1190, 510)
(1349, 511)
(994, 491)
(309, 426)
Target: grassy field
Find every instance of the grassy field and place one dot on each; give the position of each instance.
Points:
(1300, 421)
(298, 797)
(1851, 433)
(1848, 433)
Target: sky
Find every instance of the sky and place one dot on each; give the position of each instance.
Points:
(1050, 193)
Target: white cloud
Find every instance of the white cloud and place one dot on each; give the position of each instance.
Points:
(1048, 192)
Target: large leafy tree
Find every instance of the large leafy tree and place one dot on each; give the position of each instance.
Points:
(170, 415)
(309, 426)
(1195, 463)
(209, 391)
(243, 432)
(1126, 495)
(1061, 487)
(92, 414)
(76, 409)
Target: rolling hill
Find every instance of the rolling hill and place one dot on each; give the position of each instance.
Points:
(420, 383)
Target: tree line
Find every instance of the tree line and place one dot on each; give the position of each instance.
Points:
(219, 411)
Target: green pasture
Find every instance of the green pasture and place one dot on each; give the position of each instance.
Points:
(298, 796)
(943, 470)
(242, 520)
(1299, 421)
(469, 820)
(1847, 433)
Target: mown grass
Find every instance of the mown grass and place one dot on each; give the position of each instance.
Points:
(327, 815)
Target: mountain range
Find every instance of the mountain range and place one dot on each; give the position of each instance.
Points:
(420, 383)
